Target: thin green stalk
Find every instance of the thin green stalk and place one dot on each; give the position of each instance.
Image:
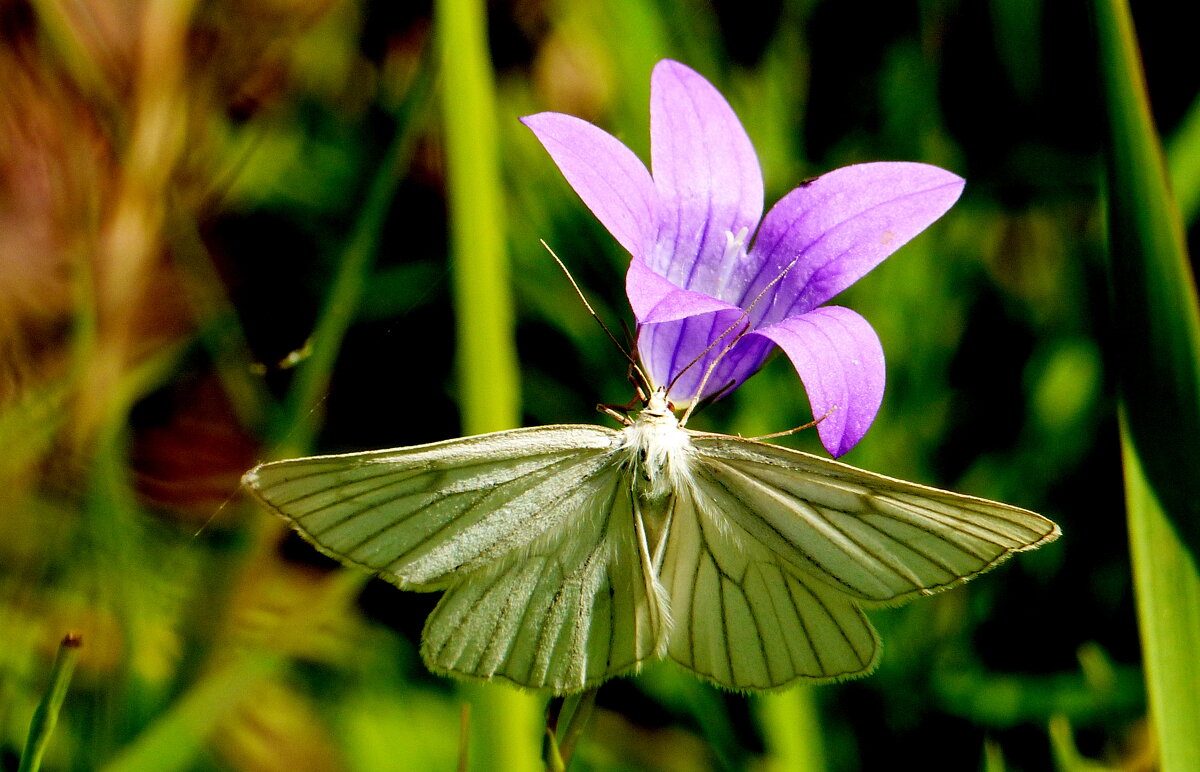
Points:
(568, 717)
(1158, 364)
(45, 716)
(486, 352)
(505, 722)
(792, 731)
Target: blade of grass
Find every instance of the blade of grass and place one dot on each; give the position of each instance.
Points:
(1154, 293)
(505, 721)
(1168, 596)
(487, 360)
(61, 28)
(566, 720)
(1158, 364)
(45, 717)
(1183, 157)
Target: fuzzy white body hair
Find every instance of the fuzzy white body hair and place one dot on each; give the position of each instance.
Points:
(660, 450)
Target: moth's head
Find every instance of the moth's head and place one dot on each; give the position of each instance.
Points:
(657, 403)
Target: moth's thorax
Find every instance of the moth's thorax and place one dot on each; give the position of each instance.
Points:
(659, 448)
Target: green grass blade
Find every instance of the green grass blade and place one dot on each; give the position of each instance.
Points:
(486, 354)
(1183, 158)
(1154, 293)
(45, 717)
(1158, 361)
(505, 722)
(1168, 593)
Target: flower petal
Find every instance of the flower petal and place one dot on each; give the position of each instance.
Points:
(679, 353)
(610, 179)
(840, 226)
(840, 360)
(707, 175)
(655, 299)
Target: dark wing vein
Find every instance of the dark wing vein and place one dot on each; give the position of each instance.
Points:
(578, 608)
(875, 538)
(745, 618)
(420, 514)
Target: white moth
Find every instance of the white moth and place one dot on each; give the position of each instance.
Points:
(572, 554)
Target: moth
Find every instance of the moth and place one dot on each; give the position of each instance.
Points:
(571, 554)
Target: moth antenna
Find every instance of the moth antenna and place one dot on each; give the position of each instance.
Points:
(711, 398)
(630, 335)
(641, 393)
(736, 323)
(642, 382)
(707, 349)
(629, 357)
(799, 428)
(742, 318)
(708, 373)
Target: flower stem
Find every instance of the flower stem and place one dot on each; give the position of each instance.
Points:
(45, 717)
(505, 722)
(792, 731)
(568, 716)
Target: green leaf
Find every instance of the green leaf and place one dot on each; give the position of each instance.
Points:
(1154, 293)
(1183, 157)
(1157, 358)
(1168, 595)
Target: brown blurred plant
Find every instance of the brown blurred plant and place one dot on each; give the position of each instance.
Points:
(111, 118)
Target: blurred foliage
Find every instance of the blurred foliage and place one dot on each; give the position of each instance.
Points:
(182, 186)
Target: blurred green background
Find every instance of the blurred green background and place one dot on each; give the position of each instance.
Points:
(188, 190)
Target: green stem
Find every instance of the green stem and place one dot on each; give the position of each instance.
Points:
(505, 722)
(486, 352)
(45, 717)
(1157, 329)
(792, 731)
(565, 724)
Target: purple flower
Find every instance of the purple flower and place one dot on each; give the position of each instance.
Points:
(702, 260)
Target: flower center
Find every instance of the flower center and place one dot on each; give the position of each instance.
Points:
(734, 250)
(734, 245)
